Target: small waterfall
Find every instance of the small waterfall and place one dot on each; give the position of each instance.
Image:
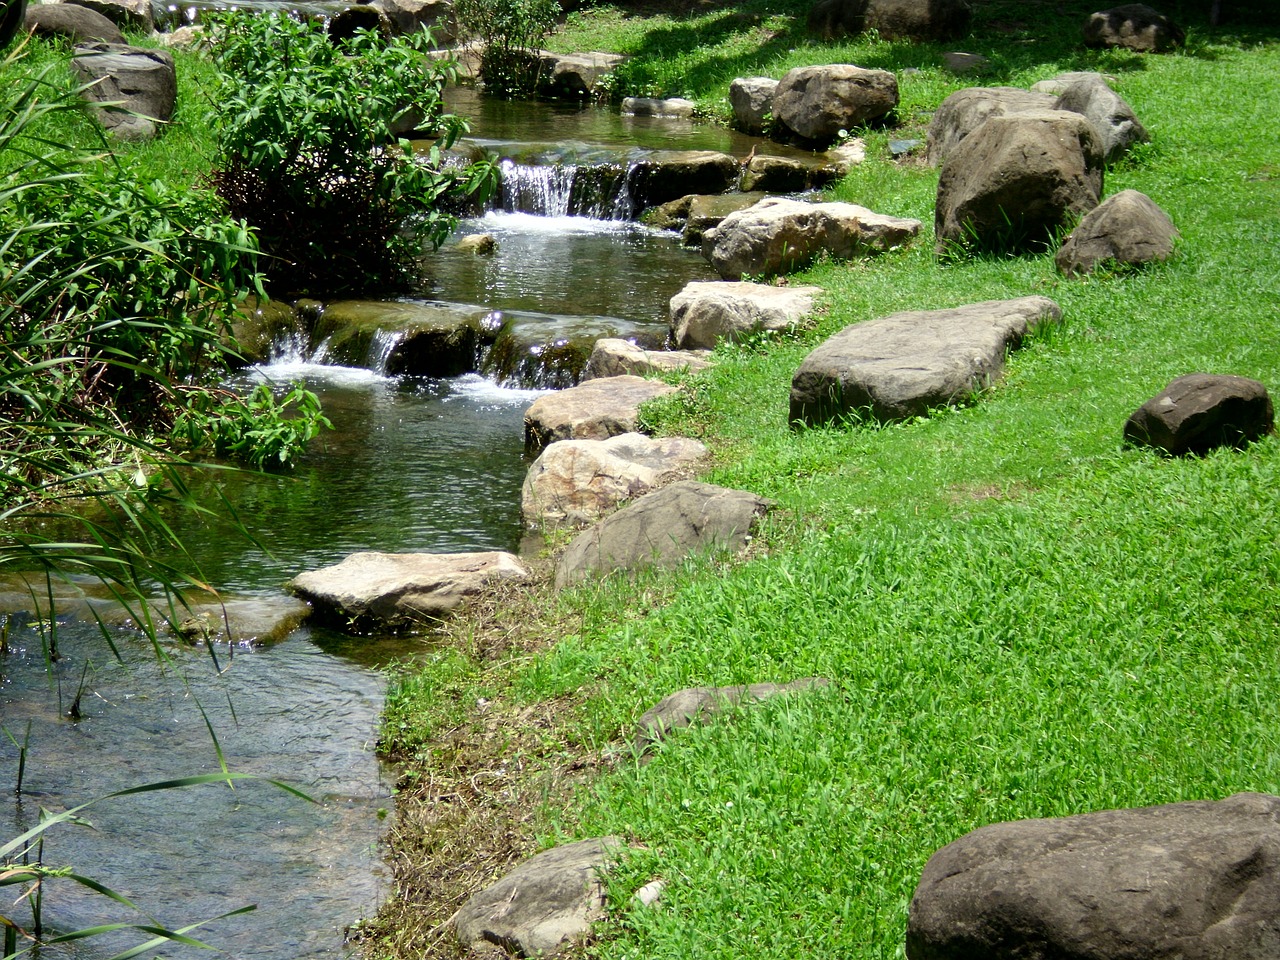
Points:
(598, 191)
(381, 347)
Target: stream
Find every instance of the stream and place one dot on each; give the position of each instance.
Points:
(413, 464)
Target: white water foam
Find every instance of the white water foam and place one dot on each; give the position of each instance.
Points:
(479, 390)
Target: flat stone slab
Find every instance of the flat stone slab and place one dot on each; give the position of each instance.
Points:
(706, 312)
(901, 365)
(615, 357)
(685, 707)
(1200, 411)
(594, 410)
(579, 481)
(401, 590)
(544, 904)
(1196, 881)
(778, 235)
(662, 528)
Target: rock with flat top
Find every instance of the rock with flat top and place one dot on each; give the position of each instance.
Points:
(615, 357)
(902, 365)
(662, 529)
(543, 905)
(593, 410)
(706, 312)
(966, 110)
(393, 591)
(1195, 881)
(778, 236)
(1200, 411)
(579, 481)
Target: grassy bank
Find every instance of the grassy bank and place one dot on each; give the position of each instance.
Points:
(1019, 616)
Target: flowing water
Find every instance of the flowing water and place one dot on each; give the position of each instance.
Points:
(414, 464)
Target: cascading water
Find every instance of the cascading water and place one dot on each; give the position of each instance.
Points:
(596, 191)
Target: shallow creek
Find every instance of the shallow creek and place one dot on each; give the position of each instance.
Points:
(414, 464)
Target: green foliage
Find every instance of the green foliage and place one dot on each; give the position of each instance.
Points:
(512, 33)
(308, 151)
(261, 429)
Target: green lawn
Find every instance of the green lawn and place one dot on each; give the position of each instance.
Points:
(1019, 616)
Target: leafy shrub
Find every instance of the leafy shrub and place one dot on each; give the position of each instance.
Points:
(512, 31)
(259, 428)
(308, 151)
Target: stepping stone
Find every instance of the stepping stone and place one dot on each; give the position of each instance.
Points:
(706, 312)
(394, 591)
(901, 365)
(615, 357)
(663, 528)
(778, 235)
(594, 410)
(579, 481)
(543, 905)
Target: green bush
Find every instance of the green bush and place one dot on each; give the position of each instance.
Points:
(308, 151)
(511, 31)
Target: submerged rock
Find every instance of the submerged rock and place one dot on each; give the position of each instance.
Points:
(394, 591)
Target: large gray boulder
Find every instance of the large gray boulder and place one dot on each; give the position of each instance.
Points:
(902, 365)
(771, 174)
(892, 19)
(669, 175)
(573, 76)
(135, 79)
(411, 16)
(695, 704)
(71, 22)
(704, 313)
(751, 100)
(134, 15)
(778, 235)
(579, 481)
(661, 529)
(392, 591)
(817, 103)
(615, 357)
(593, 410)
(1193, 881)
(1017, 180)
(1199, 411)
(1133, 26)
(1125, 230)
(543, 905)
(1091, 96)
(966, 110)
